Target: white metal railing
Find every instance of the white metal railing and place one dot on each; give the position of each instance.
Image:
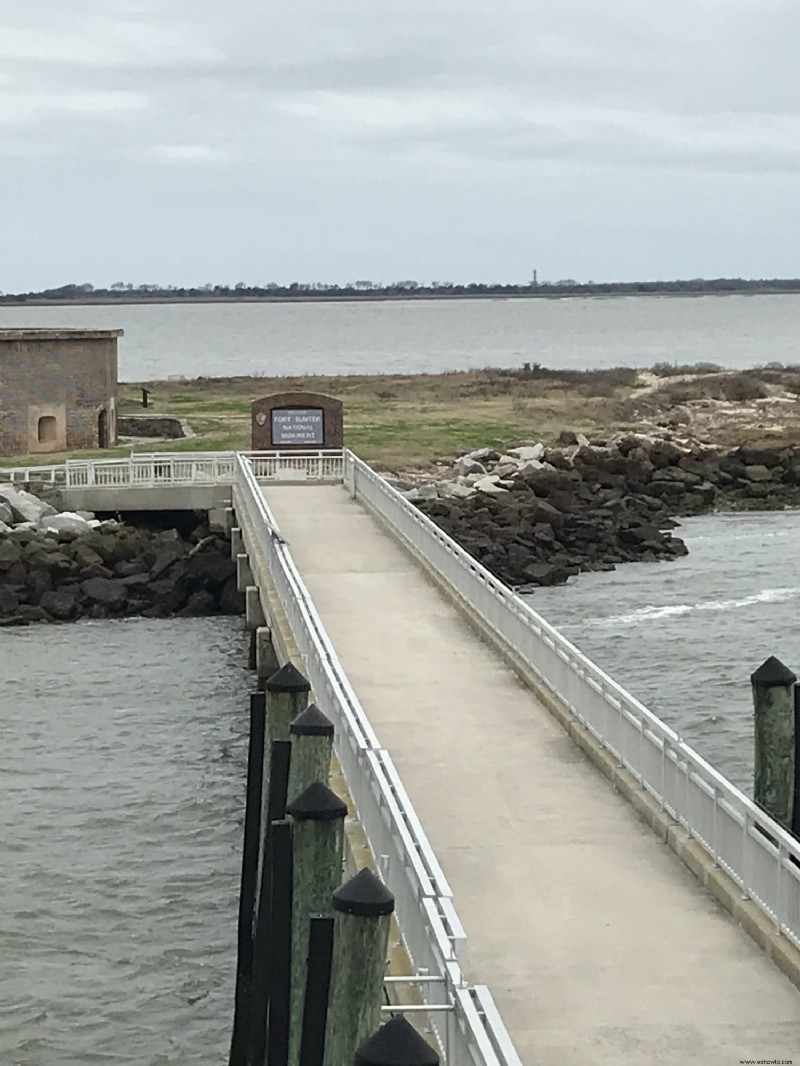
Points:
(152, 469)
(320, 465)
(465, 1021)
(48, 475)
(761, 857)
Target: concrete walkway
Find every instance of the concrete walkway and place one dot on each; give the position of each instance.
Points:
(598, 945)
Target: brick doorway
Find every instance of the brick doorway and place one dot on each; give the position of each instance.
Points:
(102, 429)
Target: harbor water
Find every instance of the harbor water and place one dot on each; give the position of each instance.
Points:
(123, 754)
(425, 336)
(684, 636)
(123, 768)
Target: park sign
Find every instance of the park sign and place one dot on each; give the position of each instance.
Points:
(296, 420)
(298, 425)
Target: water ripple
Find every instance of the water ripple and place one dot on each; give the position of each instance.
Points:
(685, 636)
(123, 767)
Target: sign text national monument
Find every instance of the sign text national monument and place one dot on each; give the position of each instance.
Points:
(289, 420)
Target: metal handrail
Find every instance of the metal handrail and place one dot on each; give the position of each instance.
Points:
(53, 475)
(757, 853)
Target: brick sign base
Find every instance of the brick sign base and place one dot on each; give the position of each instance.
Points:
(297, 420)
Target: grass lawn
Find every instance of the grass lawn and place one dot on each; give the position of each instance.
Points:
(400, 421)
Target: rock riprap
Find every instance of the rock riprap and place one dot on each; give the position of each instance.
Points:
(59, 567)
(537, 514)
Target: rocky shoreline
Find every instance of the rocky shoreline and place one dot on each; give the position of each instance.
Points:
(537, 515)
(60, 567)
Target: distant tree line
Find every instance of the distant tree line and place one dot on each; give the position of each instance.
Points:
(364, 290)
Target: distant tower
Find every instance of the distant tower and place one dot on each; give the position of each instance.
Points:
(535, 280)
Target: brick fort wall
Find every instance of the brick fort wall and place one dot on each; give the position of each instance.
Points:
(58, 390)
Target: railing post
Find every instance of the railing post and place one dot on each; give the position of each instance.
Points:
(318, 845)
(396, 1044)
(774, 710)
(362, 912)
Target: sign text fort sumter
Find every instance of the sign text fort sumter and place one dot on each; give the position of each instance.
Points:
(298, 425)
(297, 420)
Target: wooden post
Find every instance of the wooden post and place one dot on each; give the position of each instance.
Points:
(259, 1003)
(315, 1000)
(247, 894)
(312, 747)
(773, 705)
(280, 943)
(396, 1044)
(287, 696)
(362, 910)
(317, 849)
(272, 953)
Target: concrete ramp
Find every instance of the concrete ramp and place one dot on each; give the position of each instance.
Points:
(598, 945)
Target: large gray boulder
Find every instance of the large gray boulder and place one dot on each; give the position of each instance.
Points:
(490, 486)
(25, 507)
(6, 515)
(10, 553)
(527, 453)
(105, 591)
(66, 522)
(467, 465)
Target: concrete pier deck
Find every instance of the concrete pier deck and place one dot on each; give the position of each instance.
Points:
(598, 945)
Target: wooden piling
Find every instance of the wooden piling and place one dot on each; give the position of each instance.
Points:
(312, 746)
(315, 999)
(773, 705)
(259, 1003)
(362, 912)
(287, 696)
(280, 943)
(396, 1044)
(317, 852)
(247, 893)
(272, 953)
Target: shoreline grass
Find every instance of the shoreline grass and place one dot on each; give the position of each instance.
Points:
(399, 421)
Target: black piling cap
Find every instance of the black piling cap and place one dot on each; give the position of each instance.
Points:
(288, 679)
(771, 674)
(364, 895)
(311, 723)
(396, 1044)
(317, 804)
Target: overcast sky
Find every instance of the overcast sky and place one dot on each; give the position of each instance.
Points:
(188, 141)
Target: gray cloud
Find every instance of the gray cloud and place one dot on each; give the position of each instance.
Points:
(322, 140)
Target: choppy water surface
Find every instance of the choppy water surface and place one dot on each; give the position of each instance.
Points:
(684, 636)
(422, 336)
(123, 762)
(122, 768)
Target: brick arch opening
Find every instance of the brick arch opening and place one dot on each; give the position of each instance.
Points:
(47, 430)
